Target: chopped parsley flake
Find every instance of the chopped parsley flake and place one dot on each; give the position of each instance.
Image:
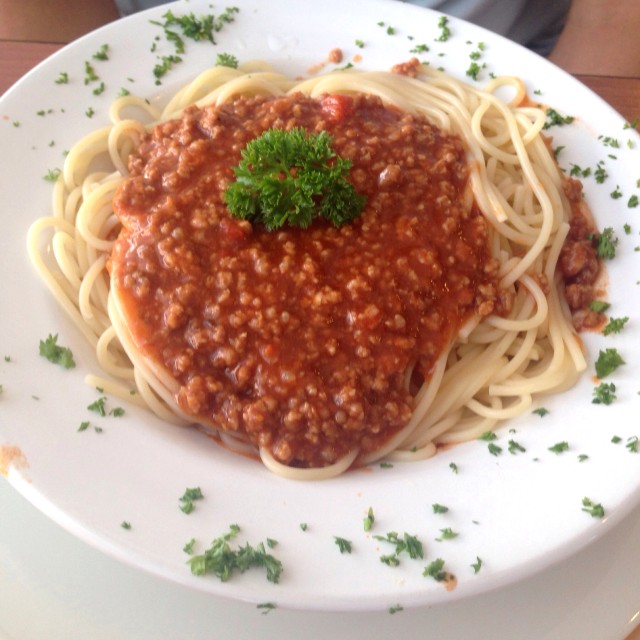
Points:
(343, 544)
(447, 534)
(266, 607)
(599, 306)
(633, 202)
(227, 60)
(98, 406)
(515, 447)
(555, 119)
(615, 325)
(369, 519)
(222, 560)
(632, 444)
(188, 547)
(445, 31)
(454, 467)
(63, 78)
(395, 609)
(604, 393)
(53, 352)
(439, 508)
(494, 449)
(477, 565)
(188, 497)
(52, 175)
(608, 361)
(541, 411)
(559, 447)
(102, 53)
(90, 74)
(593, 509)
(607, 242)
(436, 570)
(125, 525)
(408, 544)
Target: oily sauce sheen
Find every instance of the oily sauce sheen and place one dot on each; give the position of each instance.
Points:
(301, 340)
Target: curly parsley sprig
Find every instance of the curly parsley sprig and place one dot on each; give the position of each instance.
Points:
(291, 177)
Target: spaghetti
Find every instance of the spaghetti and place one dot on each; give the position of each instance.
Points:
(487, 372)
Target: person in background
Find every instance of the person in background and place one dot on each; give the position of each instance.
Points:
(581, 36)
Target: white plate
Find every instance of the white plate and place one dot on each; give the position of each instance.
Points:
(518, 513)
(54, 586)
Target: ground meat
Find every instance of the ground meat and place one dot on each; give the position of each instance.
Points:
(300, 339)
(579, 262)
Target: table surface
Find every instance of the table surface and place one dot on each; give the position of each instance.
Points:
(19, 56)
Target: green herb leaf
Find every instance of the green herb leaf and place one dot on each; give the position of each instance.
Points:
(593, 509)
(52, 351)
(369, 519)
(604, 393)
(289, 177)
(608, 361)
(344, 545)
(222, 560)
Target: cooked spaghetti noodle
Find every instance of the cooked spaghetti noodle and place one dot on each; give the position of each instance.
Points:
(489, 372)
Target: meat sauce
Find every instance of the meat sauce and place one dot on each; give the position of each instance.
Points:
(301, 340)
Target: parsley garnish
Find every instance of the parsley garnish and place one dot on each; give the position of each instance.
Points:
(447, 534)
(369, 519)
(102, 53)
(436, 570)
(615, 325)
(632, 444)
(188, 547)
(63, 78)
(52, 175)
(289, 177)
(439, 508)
(515, 447)
(477, 565)
(604, 393)
(222, 560)
(599, 306)
(607, 242)
(98, 406)
(633, 201)
(188, 497)
(344, 545)
(608, 361)
(593, 509)
(445, 31)
(395, 609)
(559, 447)
(90, 74)
(407, 544)
(165, 65)
(125, 525)
(266, 607)
(226, 60)
(555, 119)
(53, 352)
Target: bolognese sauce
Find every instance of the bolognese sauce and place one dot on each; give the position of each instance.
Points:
(301, 340)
